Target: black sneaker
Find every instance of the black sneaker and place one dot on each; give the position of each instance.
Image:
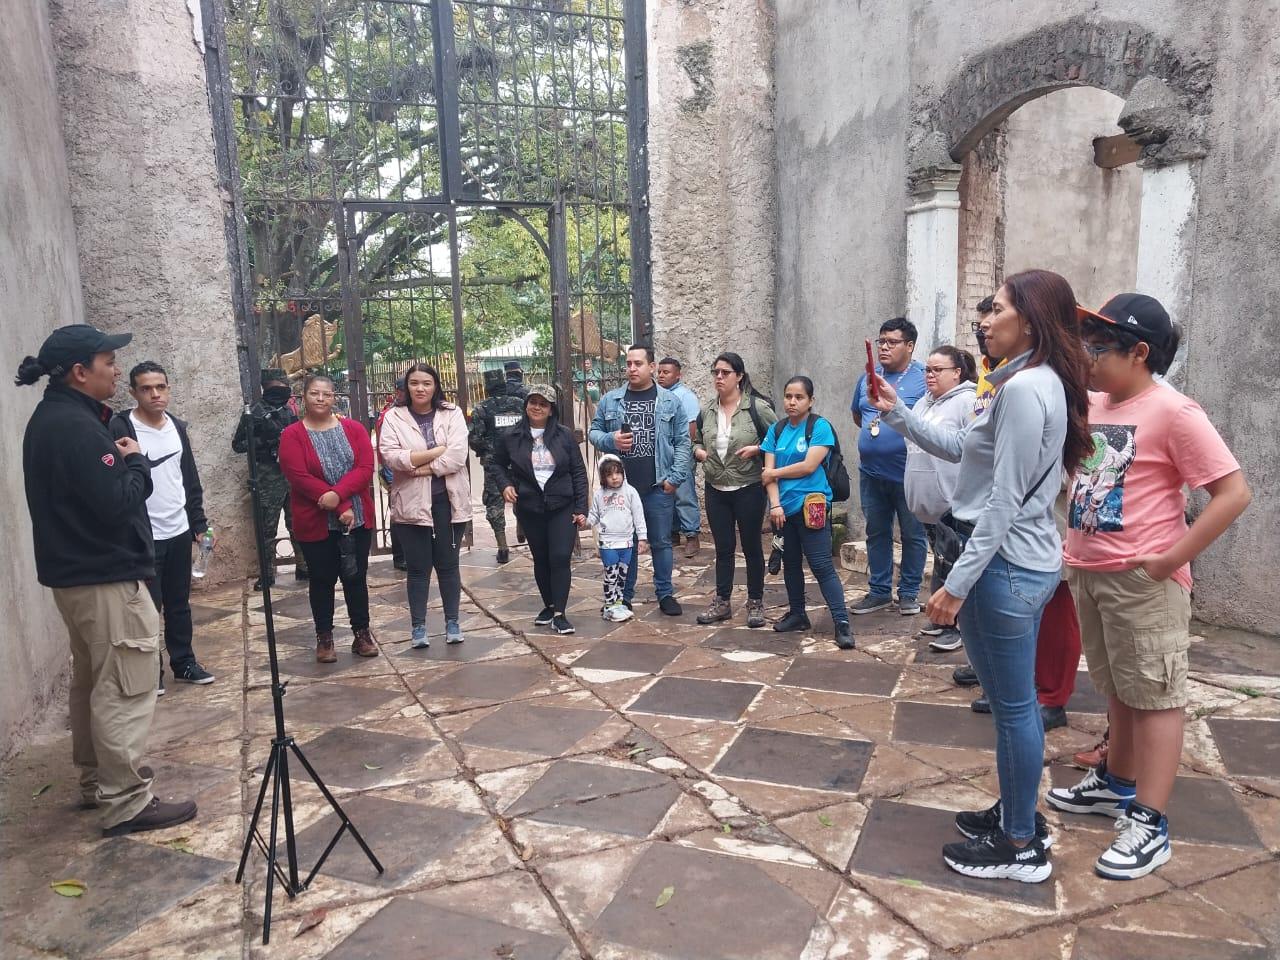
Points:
(981, 705)
(560, 624)
(544, 618)
(964, 676)
(978, 823)
(844, 636)
(792, 622)
(156, 815)
(871, 603)
(930, 629)
(1053, 717)
(192, 673)
(994, 857)
(946, 641)
(1143, 844)
(627, 604)
(504, 555)
(670, 606)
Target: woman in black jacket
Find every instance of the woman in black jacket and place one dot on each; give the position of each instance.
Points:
(539, 468)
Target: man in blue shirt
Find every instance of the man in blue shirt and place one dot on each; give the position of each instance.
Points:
(882, 456)
(688, 519)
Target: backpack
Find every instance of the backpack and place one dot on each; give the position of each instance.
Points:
(751, 412)
(837, 474)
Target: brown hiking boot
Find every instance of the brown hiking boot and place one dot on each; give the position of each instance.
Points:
(755, 613)
(716, 611)
(156, 815)
(324, 648)
(691, 546)
(364, 645)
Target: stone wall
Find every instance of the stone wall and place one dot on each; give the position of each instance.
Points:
(149, 224)
(711, 172)
(40, 290)
(982, 222)
(1061, 208)
(855, 87)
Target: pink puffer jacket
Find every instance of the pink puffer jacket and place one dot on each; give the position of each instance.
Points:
(411, 496)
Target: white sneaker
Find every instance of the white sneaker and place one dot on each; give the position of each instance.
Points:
(1142, 845)
(620, 614)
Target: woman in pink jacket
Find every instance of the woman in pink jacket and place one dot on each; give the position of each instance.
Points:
(424, 442)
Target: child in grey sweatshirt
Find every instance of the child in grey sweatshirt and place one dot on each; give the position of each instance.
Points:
(617, 513)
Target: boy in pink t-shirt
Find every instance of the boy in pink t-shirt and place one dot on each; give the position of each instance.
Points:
(1128, 554)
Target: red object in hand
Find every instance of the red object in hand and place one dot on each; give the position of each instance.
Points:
(873, 385)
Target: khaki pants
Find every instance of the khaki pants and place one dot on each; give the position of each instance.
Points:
(115, 640)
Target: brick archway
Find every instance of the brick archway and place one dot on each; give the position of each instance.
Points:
(1109, 54)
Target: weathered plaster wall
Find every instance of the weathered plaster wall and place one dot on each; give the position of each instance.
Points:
(39, 290)
(1060, 206)
(855, 85)
(711, 173)
(149, 223)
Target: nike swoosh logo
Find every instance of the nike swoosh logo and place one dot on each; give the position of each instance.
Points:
(155, 463)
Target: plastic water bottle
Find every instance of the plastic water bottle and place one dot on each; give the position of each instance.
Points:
(204, 550)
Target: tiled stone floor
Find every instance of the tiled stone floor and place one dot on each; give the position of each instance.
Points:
(648, 790)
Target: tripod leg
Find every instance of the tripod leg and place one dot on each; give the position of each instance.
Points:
(290, 843)
(257, 812)
(271, 852)
(346, 821)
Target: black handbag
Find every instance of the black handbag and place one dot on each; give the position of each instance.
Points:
(950, 535)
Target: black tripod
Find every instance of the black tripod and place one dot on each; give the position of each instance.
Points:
(276, 773)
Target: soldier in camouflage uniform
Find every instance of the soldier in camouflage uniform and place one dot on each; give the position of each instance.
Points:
(492, 418)
(271, 415)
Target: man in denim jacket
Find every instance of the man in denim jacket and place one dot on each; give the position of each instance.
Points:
(644, 424)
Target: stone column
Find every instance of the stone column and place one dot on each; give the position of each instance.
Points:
(1166, 241)
(933, 255)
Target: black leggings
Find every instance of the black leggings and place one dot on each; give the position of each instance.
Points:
(743, 509)
(322, 560)
(427, 548)
(551, 537)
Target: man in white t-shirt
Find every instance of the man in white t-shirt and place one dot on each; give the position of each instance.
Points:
(176, 510)
(688, 518)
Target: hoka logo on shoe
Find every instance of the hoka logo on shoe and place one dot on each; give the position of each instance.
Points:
(1028, 853)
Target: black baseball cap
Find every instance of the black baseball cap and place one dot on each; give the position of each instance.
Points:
(77, 343)
(1137, 313)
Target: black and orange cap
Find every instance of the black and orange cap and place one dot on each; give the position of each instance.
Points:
(1140, 315)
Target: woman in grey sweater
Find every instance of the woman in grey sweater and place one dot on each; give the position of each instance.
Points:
(1011, 460)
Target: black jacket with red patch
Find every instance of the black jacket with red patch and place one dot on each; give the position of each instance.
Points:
(88, 504)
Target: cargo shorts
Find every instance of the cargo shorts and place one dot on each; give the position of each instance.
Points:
(1135, 633)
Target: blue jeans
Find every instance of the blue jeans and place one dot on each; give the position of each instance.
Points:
(999, 621)
(815, 546)
(882, 500)
(688, 520)
(659, 511)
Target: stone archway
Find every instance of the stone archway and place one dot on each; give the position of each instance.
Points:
(1166, 97)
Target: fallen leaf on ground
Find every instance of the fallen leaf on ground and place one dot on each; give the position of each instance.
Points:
(526, 852)
(665, 896)
(908, 882)
(45, 789)
(825, 820)
(181, 844)
(372, 766)
(69, 888)
(311, 920)
(726, 829)
(637, 751)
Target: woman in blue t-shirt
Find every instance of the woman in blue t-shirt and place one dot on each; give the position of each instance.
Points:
(800, 507)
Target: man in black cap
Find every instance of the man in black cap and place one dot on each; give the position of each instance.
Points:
(491, 420)
(515, 379)
(87, 496)
(271, 415)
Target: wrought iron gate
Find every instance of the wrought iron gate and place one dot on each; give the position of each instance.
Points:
(445, 180)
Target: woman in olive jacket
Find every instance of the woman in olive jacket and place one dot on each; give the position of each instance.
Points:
(538, 467)
(727, 444)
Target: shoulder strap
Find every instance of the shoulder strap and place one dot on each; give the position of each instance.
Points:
(777, 430)
(808, 427)
(755, 418)
(1032, 492)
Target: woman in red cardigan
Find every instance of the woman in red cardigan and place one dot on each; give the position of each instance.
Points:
(328, 462)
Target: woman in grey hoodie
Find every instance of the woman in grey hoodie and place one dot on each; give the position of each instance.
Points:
(1011, 458)
(949, 377)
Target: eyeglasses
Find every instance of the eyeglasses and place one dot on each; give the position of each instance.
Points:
(937, 370)
(886, 342)
(1095, 350)
(718, 373)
